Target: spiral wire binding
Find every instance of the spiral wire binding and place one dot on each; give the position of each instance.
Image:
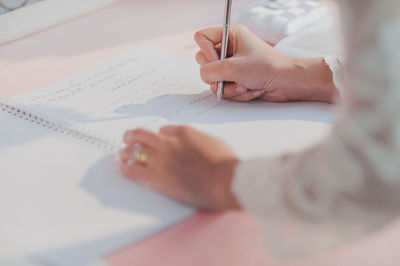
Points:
(63, 128)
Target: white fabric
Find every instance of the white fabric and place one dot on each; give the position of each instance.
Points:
(273, 20)
(349, 184)
(337, 66)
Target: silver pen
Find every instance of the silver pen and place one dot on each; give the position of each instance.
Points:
(224, 43)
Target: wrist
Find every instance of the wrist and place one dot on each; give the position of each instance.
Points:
(223, 196)
(313, 80)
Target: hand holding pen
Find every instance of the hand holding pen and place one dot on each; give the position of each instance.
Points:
(256, 70)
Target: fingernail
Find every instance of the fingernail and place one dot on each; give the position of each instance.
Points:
(241, 90)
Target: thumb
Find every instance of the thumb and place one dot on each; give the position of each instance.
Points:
(222, 70)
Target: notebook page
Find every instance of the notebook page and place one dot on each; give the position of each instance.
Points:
(140, 88)
(64, 203)
(148, 88)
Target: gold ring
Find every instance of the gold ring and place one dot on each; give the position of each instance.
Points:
(139, 154)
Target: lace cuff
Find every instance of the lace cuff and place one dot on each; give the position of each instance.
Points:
(258, 190)
(336, 64)
(258, 186)
(250, 183)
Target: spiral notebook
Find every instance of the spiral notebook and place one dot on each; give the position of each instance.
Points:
(63, 200)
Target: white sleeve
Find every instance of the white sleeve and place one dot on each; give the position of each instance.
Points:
(349, 184)
(337, 66)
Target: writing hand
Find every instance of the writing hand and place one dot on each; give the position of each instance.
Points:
(254, 69)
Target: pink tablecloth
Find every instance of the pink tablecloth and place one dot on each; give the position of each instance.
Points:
(204, 239)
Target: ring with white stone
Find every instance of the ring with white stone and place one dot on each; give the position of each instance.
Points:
(139, 154)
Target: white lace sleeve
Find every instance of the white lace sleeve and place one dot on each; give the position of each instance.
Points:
(349, 184)
(336, 65)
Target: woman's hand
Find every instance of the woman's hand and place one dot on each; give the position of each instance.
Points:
(184, 164)
(256, 70)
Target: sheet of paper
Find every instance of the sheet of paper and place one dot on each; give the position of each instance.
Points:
(70, 203)
(148, 88)
(65, 203)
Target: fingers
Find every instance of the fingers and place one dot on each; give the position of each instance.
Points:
(237, 92)
(168, 130)
(233, 90)
(142, 173)
(137, 172)
(175, 130)
(224, 70)
(211, 34)
(248, 96)
(201, 58)
(126, 154)
(207, 39)
(143, 137)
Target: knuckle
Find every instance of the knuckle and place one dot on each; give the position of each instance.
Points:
(228, 69)
(181, 130)
(226, 66)
(164, 129)
(168, 131)
(204, 74)
(139, 132)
